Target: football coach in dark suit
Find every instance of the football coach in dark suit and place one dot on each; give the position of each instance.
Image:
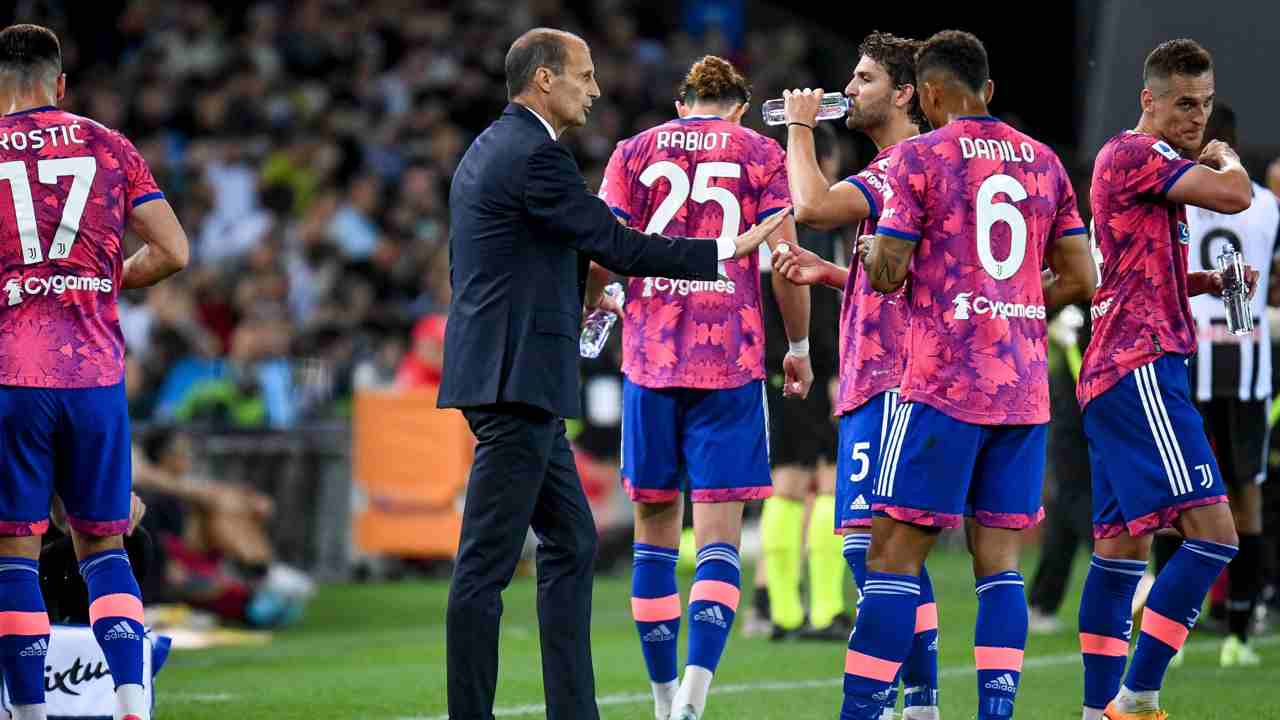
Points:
(523, 230)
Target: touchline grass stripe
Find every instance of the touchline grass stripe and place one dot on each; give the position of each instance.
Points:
(834, 681)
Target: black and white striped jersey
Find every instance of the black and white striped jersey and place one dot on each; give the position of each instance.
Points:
(1225, 365)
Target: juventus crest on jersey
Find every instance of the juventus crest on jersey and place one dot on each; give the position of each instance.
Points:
(1225, 365)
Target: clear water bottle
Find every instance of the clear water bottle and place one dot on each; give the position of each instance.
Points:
(1235, 292)
(834, 106)
(595, 333)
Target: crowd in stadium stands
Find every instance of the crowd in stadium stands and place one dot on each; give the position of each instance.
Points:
(307, 149)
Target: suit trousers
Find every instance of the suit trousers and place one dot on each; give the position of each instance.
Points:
(523, 476)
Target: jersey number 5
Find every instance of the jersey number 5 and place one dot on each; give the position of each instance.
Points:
(82, 170)
(989, 213)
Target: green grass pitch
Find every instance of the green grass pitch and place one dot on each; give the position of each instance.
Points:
(377, 652)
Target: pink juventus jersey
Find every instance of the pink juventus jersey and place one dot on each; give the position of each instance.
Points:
(699, 177)
(984, 202)
(67, 185)
(872, 325)
(1141, 310)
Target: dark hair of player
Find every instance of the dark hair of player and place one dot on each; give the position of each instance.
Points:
(714, 79)
(31, 52)
(1176, 57)
(898, 57)
(539, 47)
(955, 51)
(1221, 125)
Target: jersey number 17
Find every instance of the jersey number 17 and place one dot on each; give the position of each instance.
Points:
(82, 170)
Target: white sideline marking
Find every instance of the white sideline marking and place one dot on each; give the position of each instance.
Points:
(637, 698)
(197, 697)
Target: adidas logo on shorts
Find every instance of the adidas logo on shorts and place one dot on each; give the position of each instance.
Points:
(712, 615)
(1004, 683)
(658, 634)
(121, 631)
(39, 648)
(933, 646)
(859, 503)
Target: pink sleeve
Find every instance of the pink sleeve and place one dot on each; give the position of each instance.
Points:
(871, 186)
(1154, 165)
(903, 215)
(775, 194)
(613, 189)
(142, 186)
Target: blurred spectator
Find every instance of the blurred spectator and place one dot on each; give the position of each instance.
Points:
(307, 148)
(212, 540)
(422, 365)
(378, 372)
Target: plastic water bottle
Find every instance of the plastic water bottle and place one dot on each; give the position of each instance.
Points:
(834, 106)
(595, 333)
(1235, 292)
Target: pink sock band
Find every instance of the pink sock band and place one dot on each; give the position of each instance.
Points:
(867, 666)
(998, 658)
(1169, 632)
(16, 622)
(926, 617)
(116, 605)
(658, 609)
(1091, 644)
(715, 591)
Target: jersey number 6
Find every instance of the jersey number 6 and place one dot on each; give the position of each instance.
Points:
(989, 213)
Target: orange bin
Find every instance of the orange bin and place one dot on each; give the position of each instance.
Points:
(410, 459)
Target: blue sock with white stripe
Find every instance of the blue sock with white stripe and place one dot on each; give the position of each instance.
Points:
(879, 644)
(655, 606)
(920, 672)
(1105, 626)
(713, 601)
(24, 641)
(115, 613)
(1172, 610)
(855, 554)
(999, 640)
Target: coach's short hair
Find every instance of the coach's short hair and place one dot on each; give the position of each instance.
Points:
(1183, 56)
(898, 57)
(31, 52)
(958, 52)
(539, 47)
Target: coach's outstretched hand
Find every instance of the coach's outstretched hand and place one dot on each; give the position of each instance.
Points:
(747, 242)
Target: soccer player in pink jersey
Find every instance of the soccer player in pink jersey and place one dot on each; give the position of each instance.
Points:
(1152, 465)
(974, 210)
(69, 187)
(693, 356)
(884, 106)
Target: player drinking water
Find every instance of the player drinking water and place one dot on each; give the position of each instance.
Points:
(976, 208)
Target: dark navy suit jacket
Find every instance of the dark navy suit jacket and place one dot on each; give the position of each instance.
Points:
(523, 228)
